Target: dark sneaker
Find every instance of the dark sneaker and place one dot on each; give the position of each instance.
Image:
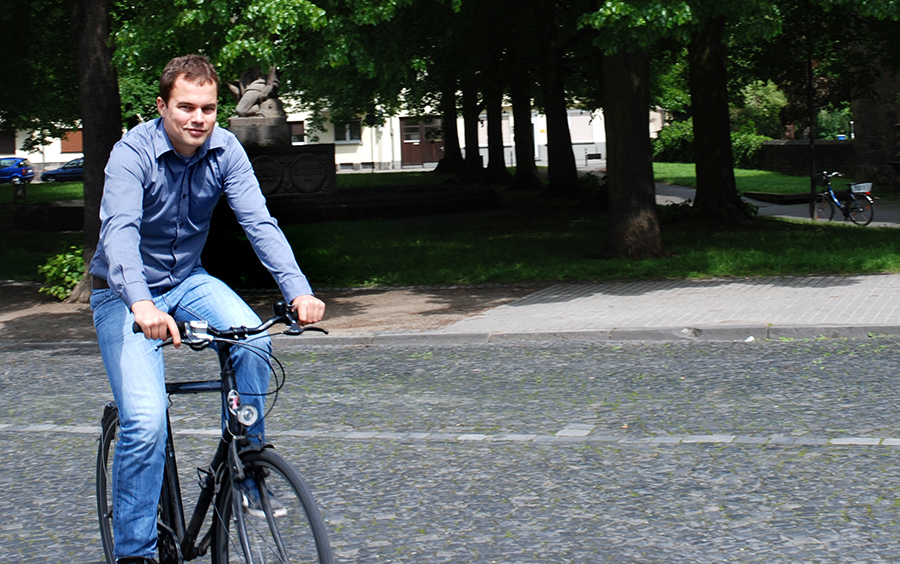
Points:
(135, 560)
(252, 503)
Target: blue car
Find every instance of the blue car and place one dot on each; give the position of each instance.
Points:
(16, 170)
(72, 171)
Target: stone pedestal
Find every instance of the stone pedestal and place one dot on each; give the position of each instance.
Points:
(261, 131)
(297, 171)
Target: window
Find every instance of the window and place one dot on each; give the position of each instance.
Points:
(348, 132)
(71, 142)
(298, 132)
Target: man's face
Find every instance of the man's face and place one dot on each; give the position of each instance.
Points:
(190, 114)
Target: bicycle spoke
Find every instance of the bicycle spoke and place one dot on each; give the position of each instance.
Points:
(270, 519)
(278, 529)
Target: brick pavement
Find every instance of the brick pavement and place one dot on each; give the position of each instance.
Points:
(729, 309)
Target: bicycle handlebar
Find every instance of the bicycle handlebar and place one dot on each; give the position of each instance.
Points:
(199, 333)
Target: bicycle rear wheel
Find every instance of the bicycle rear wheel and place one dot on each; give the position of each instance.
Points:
(821, 208)
(861, 209)
(167, 545)
(295, 534)
(109, 429)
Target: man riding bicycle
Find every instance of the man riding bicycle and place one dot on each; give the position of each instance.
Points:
(163, 180)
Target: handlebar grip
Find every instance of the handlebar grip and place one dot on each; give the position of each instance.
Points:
(135, 328)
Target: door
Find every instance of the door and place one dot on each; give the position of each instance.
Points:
(422, 141)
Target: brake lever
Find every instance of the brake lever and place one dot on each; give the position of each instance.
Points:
(297, 329)
(286, 313)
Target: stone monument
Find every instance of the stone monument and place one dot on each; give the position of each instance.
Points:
(287, 173)
(260, 119)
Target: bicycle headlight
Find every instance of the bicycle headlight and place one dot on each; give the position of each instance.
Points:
(247, 415)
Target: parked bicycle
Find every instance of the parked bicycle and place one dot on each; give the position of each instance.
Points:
(857, 206)
(286, 525)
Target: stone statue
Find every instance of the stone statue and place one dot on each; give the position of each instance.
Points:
(257, 95)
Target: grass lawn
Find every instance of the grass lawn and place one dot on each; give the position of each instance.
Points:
(529, 239)
(557, 241)
(45, 192)
(746, 180)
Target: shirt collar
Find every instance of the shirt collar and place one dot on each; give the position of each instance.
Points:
(162, 144)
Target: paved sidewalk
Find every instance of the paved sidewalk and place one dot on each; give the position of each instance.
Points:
(759, 308)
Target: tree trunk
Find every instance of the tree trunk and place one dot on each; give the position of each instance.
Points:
(101, 114)
(526, 177)
(452, 161)
(471, 111)
(497, 173)
(633, 223)
(875, 133)
(562, 173)
(716, 188)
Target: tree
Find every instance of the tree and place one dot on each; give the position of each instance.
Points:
(623, 39)
(40, 95)
(526, 177)
(562, 173)
(716, 187)
(101, 118)
(633, 223)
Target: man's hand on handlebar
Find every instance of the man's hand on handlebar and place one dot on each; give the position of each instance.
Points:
(155, 323)
(308, 309)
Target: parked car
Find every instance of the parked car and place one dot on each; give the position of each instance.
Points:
(16, 170)
(72, 171)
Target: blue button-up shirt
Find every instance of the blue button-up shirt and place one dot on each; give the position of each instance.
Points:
(157, 207)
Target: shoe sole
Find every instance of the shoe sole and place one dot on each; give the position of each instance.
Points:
(258, 513)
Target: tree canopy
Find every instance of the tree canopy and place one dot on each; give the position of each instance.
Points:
(380, 57)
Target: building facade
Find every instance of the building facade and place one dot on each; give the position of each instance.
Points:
(400, 143)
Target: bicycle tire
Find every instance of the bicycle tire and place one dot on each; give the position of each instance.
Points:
(167, 545)
(301, 530)
(821, 208)
(861, 209)
(109, 426)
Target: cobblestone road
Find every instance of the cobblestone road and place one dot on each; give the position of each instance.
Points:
(682, 452)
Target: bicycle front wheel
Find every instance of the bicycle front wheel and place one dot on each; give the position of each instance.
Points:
(861, 209)
(287, 527)
(821, 208)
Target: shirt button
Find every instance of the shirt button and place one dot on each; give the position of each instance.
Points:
(175, 247)
(183, 196)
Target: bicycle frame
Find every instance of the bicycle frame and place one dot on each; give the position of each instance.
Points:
(829, 191)
(226, 452)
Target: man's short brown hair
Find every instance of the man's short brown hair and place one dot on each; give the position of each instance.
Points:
(194, 68)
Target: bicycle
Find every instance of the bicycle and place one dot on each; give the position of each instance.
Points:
(857, 206)
(289, 528)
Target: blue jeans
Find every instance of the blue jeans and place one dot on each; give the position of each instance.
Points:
(137, 377)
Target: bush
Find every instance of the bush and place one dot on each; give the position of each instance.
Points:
(831, 123)
(745, 146)
(675, 144)
(763, 102)
(62, 272)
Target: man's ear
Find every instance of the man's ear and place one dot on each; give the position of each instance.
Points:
(160, 105)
